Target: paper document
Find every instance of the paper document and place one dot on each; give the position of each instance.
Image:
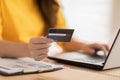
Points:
(10, 66)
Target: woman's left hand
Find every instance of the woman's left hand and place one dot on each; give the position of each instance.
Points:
(93, 48)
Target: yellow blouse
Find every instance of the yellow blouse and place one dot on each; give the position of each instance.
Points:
(21, 20)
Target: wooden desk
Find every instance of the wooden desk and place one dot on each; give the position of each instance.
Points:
(112, 72)
(65, 74)
(70, 73)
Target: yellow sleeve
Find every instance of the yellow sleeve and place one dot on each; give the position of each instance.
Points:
(0, 29)
(0, 21)
(60, 19)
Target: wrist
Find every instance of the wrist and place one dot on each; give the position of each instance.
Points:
(26, 50)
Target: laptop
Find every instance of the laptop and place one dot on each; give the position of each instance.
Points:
(98, 62)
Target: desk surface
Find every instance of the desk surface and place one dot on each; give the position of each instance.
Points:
(69, 73)
(65, 74)
(112, 72)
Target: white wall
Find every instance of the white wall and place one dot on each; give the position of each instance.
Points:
(91, 19)
(115, 18)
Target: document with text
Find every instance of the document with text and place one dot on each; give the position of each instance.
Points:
(13, 66)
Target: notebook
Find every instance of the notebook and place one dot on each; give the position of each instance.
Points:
(14, 66)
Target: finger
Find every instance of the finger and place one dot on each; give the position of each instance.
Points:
(91, 51)
(95, 46)
(102, 48)
(35, 53)
(41, 51)
(106, 49)
(41, 57)
(46, 40)
(99, 47)
(88, 50)
(41, 40)
(49, 38)
(106, 46)
(39, 46)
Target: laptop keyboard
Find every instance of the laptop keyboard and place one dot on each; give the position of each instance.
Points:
(83, 58)
(90, 59)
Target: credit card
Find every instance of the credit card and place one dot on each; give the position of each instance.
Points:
(60, 35)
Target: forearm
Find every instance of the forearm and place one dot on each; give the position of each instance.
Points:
(84, 48)
(10, 49)
(73, 46)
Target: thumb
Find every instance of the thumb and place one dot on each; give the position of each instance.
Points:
(89, 51)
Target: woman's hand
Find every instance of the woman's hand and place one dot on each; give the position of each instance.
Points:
(89, 49)
(93, 48)
(39, 47)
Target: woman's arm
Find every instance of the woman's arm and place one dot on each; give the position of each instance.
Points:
(84, 48)
(11, 49)
(37, 48)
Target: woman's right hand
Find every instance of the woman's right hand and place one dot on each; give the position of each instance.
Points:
(39, 46)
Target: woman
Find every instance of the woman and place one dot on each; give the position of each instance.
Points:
(23, 23)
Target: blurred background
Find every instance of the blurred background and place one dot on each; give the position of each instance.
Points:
(93, 20)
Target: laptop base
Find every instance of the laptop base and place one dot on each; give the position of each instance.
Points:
(79, 64)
